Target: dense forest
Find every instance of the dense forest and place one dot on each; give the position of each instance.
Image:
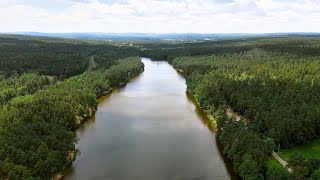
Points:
(276, 90)
(49, 87)
(298, 45)
(36, 138)
(56, 59)
(20, 85)
(41, 105)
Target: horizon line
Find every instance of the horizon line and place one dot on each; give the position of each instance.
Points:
(159, 33)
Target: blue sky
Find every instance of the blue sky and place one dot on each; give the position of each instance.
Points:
(160, 16)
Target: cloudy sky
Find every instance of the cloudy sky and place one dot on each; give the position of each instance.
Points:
(160, 16)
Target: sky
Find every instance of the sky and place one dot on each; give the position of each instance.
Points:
(160, 16)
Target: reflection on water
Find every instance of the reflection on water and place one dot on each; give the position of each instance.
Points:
(149, 130)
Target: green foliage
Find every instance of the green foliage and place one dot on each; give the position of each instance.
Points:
(300, 46)
(56, 59)
(247, 151)
(36, 131)
(309, 150)
(315, 175)
(278, 93)
(303, 168)
(272, 83)
(277, 173)
(22, 85)
(273, 163)
(248, 169)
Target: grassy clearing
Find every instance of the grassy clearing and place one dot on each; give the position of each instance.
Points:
(309, 150)
(273, 163)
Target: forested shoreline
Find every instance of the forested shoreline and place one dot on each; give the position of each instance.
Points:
(273, 82)
(39, 110)
(36, 130)
(277, 94)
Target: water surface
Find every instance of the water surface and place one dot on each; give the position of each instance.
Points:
(149, 130)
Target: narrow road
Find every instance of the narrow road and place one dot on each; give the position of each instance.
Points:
(281, 161)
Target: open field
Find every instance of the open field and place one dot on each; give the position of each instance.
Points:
(308, 150)
(273, 163)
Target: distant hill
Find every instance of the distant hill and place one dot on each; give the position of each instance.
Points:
(154, 36)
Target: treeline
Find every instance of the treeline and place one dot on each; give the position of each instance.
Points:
(45, 94)
(276, 92)
(55, 59)
(169, 52)
(297, 45)
(36, 130)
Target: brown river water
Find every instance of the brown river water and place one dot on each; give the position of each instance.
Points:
(149, 130)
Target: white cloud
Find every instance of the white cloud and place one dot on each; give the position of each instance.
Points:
(158, 16)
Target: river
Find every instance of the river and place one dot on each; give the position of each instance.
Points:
(149, 130)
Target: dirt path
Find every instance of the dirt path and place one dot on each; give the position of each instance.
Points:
(230, 113)
(281, 161)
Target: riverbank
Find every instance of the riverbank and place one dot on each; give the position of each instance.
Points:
(211, 121)
(211, 117)
(210, 90)
(82, 119)
(151, 122)
(90, 112)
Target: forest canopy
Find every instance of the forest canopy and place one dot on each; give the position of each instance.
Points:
(273, 86)
(48, 87)
(46, 92)
(56, 59)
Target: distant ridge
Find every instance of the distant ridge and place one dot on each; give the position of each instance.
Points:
(156, 36)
